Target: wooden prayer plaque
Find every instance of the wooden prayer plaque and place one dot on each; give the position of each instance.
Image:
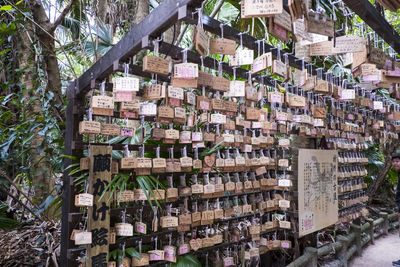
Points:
(155, 64)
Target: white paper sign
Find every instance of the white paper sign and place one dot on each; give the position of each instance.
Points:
(175, 92)
(218, 118)
(348, 94)
(242, 57)
(186, 71)
(236, 89)
(148, 109)
(377, 105)
(126, 84)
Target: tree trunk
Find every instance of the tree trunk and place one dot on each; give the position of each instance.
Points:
(45, 33)
(388, 152)
(142, 10)
(40, 168)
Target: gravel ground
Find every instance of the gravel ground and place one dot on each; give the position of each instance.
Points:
(385, 250)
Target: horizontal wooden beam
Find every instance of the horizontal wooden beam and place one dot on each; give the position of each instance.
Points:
(370, 15)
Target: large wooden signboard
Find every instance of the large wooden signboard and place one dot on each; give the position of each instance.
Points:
(99, 214)
(317, 185)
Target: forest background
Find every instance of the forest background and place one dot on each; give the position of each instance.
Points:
(44, 45)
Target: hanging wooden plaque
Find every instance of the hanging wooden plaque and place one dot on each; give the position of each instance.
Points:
(102, 105)
(89, 127)
(222, 46)
(156, 65)
(261, 63)
(110, 129)
(348, 44)
(201, 41)
(251, 9)
(220, 84)
(153, 92)
(317, 23)
(278, 31)
(321, 49)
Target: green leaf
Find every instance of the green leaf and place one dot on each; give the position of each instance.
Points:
(6, 8)
(133, 253)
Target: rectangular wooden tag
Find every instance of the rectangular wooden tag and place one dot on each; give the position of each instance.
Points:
(251, 9)
(220, 84)
(205, 79)
(348, 44)
(279, 68)
(110, 129)
(222, 46)
(275, 97)
(261, 63)
(168, 221)
(201, 41)
(89, 127)
(155, 64)
(317, 23)
(295, 100)
(321, 49)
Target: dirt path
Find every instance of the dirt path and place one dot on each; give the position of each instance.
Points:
(385, 250)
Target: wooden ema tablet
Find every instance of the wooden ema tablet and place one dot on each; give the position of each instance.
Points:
(156, 255)
(278, 31)
(89, 127)
(195, 244)
(222, 46)
(319, 24)
(159, 165)
(102, 105)
(319, 112)
(348, 44)
(251, 9)
(140, 227)
(84, 200)
(125, 196)
(220, 84)
(321, 49)
(128, 163)
(295, 100)
(201, 41)
(183, 249)
(159, 194)
(124, 229)
(228, 261)
(83, 238)
(205, 79)
(322, 87)
(279, 68)
(144, 261)
(110, 129)
(261, 63)
(156, 65)
(207, 242)
(154, 92)
(165, 114)
(169, 221)
(172, 194)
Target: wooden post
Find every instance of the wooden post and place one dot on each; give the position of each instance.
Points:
(385, 223)
(357, 231)
(99, 214)
(342, 252)
(313, 252)
(370, 230)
